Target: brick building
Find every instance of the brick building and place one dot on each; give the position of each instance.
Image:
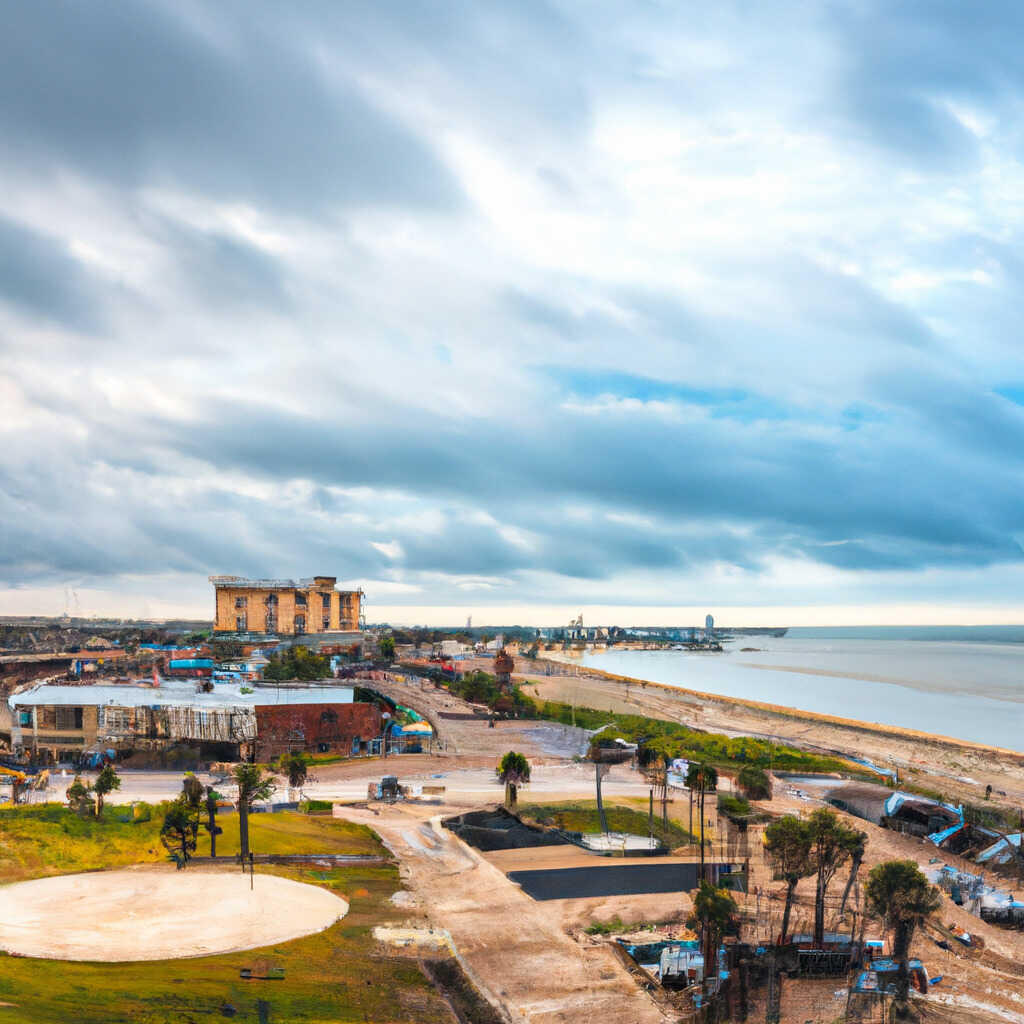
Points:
(346, 729)
(285, 607)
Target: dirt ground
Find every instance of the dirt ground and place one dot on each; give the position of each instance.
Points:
(157, 913)
(515, 950)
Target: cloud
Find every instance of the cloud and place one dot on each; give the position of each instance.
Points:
(39, 277)
(513, 303)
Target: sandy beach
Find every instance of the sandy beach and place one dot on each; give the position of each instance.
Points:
(960, 768)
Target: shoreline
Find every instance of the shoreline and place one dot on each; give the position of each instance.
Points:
(784, 711)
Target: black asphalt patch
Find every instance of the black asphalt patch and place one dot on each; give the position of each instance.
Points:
(610, 880)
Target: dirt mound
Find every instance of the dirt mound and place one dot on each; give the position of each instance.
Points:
(499, 830)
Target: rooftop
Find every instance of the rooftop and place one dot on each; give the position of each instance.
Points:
(304, 583)
(178, 693)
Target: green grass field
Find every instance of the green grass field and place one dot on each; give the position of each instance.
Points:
(337, 975)
(581, 816)
(47, 839)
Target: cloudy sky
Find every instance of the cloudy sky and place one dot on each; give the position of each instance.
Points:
(515, 309)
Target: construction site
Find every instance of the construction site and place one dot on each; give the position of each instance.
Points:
(571, 897)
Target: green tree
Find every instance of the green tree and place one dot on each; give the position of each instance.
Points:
(106, 782)
(211, 825)
(514, 771)
(387, 648)
(253, 785)
(788, 842)
(714, 912)
(179, 832)
(899, 894)
(832, 844)
(192, 792)
(295, 765)
(79, 796)
(297, 663)
(703, 779)
(754, 783)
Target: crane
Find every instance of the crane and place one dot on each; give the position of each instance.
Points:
(18, 779)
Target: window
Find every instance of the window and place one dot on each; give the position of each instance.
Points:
(24, 717)
(117, 720)
(241, 602)
(69, 718)
(300, 623)
(300, 600)
(328, 717)
(241, 623)
(327, 604)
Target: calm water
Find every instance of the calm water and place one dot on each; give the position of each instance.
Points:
(967, 682)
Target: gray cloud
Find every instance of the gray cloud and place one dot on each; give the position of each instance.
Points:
(509, 301)
(230, 103)
(41, 278)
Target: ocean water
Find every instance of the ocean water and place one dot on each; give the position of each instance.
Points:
(966, 682)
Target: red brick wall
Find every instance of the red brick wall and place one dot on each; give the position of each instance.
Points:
(310, 727)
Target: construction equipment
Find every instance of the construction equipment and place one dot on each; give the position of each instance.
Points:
(18, 781)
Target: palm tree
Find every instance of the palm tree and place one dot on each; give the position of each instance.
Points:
(703, 778)
(899, 894)
(514, 771)
(252, 786)
(788, 841)
(713, 911)
(858, 842)
(295, 765)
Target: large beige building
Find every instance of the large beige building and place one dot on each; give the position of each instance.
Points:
(285, 607)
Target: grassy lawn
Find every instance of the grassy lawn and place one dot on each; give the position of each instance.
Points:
(47, 839)
(337, 975)
(581, 816)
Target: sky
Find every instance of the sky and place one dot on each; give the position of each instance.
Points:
(515, 310)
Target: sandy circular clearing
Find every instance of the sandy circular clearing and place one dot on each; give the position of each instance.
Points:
(158, 915)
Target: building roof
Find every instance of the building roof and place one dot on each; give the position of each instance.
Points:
(178, 693)
(305, 583)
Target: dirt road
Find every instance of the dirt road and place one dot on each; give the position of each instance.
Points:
(514, 949)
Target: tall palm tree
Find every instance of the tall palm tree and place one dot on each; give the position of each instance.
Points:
(788, 841)
(703, 778)
(253, 785)
(899, 893)
(713, 911)
(514, 771)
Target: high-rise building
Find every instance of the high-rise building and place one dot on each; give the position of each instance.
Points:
(709, 622)
(284, 607)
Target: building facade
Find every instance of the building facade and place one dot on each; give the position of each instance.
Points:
(54, 722)
(285, 607)
(346, 729)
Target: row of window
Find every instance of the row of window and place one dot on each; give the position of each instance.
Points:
(300, 602)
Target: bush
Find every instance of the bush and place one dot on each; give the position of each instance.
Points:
(312, 806)
(680, 741)
(754, 783)
(609, 927)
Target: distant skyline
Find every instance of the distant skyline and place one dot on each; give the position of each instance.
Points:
(524, 305)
